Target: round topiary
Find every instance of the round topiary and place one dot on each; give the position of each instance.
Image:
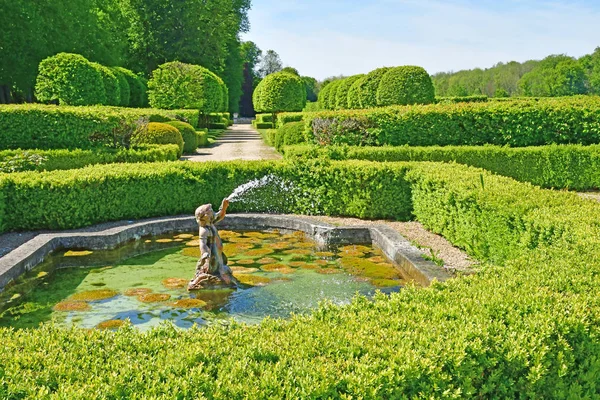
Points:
(324, 96)
(124, 92)
(213, 92)
(188, 133)
(341, 95)
(161, 133)
(280, 91)
(111, 85)
(354, 93)
(137, 89)
(69, 79)
(369, 86)
(405, 85)
(331, 97)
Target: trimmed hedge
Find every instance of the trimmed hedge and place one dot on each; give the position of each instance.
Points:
(111, 85)
(189, 135)
(572, 167)
(69, 79)
(202, 137)
(280, 91)
(527, 327)
(263, 125)
(289, 134)
(369, 85)
(465, 99)
(124, 91)
(329, 101)
(36, 126)
(16, 160)
(518, 124)
(160, 133)
(405, 85)
(354, 101)
(137, 88)
(286, 118)
(341, 95)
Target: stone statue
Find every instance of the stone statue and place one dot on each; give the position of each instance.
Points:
(211, 269)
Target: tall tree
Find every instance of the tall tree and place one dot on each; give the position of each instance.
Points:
(270, 64)
(556, 75)
(251, 55)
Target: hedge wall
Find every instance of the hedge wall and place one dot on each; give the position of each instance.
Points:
(520, 123)
(50, 160)
(35, 126)
(528, 327)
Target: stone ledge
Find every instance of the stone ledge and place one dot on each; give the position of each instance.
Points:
(394, 246)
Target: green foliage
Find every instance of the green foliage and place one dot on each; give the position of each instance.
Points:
(137, 88)
(354, 101)
(325, 95)
(312, 107)
(188, 133)
(462, 99)
(263, 125)
(111, 85)
(518, 123)
(285, 118)
(310, 84)
(264, 117)
(341, 94)
(279, 92)
(160, 133)
(405, 85)
(176, 85)
(329, 101)
(554, 76)
(202, 137)
(124, 90)
(50, 160)
(69, 79)
(36, 126)
(368, 87)
(289, 134)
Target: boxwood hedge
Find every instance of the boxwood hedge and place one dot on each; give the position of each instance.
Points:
(405, 85)
(369, 85)
(525, 327)
(341, 95)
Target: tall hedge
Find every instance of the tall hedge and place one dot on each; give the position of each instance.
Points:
(369, 86)
(111, 85)
(404, 86)
(189, 135)
(341, 95)
(137, 88)
(69, 79)
(354, 101)
(324, 96)
(279, 92)
(124, 90)
(330, 101)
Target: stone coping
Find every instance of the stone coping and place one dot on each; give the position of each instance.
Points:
(407, 257)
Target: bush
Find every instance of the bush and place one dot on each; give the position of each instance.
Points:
(285, 118)
(312, 106)
(160, 133)
(519, 123)
(69, 79)
(279, 92)
(220, 126)
(188, 133)
(329, 102)
(263, 125)
(35, 126)
(111, 85)
(288, 134)
(341, 95)
(462, 99)
(202, 137)
(50, 160)
(137, 88)
(124, 91)
(354, 101)
(405, 85)
(325, 95)
(367, 93)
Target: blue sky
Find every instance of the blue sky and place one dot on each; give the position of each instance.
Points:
(327, 37)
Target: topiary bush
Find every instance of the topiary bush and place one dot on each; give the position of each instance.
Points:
(341, 94)
(137, 88)
(160, 133)
(368, 88)
(202, 138)
(324, 96)
(405, 85)
(330, 101)
(279, 92)
(69, 79)
(354, 101)
(124, 91)
(111, 85)
(289, 134)
(188, 133)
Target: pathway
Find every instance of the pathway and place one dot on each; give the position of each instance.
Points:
(239, 142)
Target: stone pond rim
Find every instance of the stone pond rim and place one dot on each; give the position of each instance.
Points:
(407, 257)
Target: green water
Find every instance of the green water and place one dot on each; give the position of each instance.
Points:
(282, 274)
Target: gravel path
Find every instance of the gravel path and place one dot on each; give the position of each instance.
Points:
(239, 142)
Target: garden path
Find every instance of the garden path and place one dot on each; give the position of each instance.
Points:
(239, 142)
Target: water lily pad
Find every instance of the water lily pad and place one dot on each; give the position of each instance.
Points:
(324, 254)
(310, 266)
(193, 243)
(184, 236)
(304, 245)
(281, 268)
(243, 270)
(94, 295)
(252, 280)
(258, 252)
(297, 264)
(154, 297)
(72, 306)
(329, 271)
(41, 274)
(113, 324)
(377, 259)
(385, 283)
(81, 253)
(298, 251)
(191, 252)
(164, 240)
(137, 291)
(189, 303)
(357, 247)
(246, 261)
(351, 253)
(267, 260)
(175, 283)
(280, 245)
(321, 262)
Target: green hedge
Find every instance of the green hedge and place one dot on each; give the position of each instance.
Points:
(405, 85)
(12, 160)
(160, 133)
(574, 167)
(369, 86)
(465, 99)
(263, 125)
(341, 94)
(527, 327)
(518, 124)
(202, 137)
(286, 118)
(280, 91)
(289, 134)
(189, 135)
(111, 85)
(35, 126)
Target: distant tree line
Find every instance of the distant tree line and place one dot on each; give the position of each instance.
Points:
(137, 34)
(555, 75)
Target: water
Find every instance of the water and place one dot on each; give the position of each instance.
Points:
(283, 274)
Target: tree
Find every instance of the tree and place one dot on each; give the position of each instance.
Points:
(270, 64)
(591, 65)
(251, 55)
(291, 70)
(280, 91)
(311, 86)
(556, 75)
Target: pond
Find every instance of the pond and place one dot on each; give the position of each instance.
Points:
(144, 282)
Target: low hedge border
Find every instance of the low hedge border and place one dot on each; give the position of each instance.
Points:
(574, 167)
(17, 160)
(527, 327)
(36, 126)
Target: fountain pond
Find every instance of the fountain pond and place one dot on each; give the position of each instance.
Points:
(144, 282)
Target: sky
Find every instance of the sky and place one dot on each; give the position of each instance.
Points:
(322, 38)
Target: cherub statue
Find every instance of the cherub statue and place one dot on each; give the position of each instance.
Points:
(211, 268)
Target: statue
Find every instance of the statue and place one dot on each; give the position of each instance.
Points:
(211, 269)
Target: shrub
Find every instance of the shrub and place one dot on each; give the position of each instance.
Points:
(285, 118)
(354, 101)
(124, 91)
(324, 96)
(161, 133)
(111, 85)
(288, 134)
(202, 137)
(69, 79)
(367, 93)
(279, 92)
(137, 88)
(355, 131)
(264, 117)
(220, 126)
(341, 95)
(263, 125)
(312, 106)
(329, 101)
(188, 133)
(462, 99)
(404, 86)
